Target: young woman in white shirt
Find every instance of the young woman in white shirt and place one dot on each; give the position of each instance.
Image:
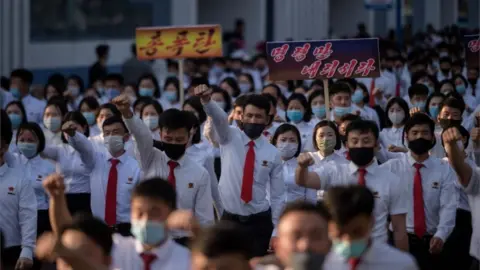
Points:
(230, 85)
(75, 90)
(316, 102)
(288, 141)
(433, 105)
(222, 98)
(16, 113)
(397, 113)
(461, 85)
(149, 114)
(170, 97)
(90, 108)
(245, 83)
(148, 86)
(299, 114)
(138, 105)
(71, 165)
(52, 120)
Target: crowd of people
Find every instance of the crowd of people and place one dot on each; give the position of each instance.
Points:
(246, 172)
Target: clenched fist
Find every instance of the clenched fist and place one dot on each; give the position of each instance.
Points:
(54, 185)
(123, 105)
(305, 160)
(204, 92)
(69, 127)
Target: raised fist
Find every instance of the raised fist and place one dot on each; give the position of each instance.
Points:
(305, 160)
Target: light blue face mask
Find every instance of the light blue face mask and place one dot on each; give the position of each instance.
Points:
(170, 96)
(90, 117)
(244, 87)
(16, 93)
(151, 122)
(341, 111)
(295, 115)
(112, 93)
(52, 123)
(149, 232)
(146, 92)
(348, 250)
(461, 89)
(419, 104)
(433, 110)
(16, 120)
(357, 96)
(319, 111)
(29, 150)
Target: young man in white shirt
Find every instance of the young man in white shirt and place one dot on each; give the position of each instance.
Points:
(113, 176)
(190, 179)
(20, 82)
(350, 229)
(251, 185)
(390, 194)
(432, 199)
(18, 206)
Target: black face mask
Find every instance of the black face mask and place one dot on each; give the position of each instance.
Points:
(420, 146)
(174, 151)
(445, 70)
(446, 123)
(361, 156)
(253, 130)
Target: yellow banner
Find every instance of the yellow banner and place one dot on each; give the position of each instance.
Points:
(179, 42)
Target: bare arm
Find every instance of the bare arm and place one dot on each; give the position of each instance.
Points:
(58, 211)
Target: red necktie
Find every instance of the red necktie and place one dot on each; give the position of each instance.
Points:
(171, 175)
(418, 209)
(397, 90)
(111, 196)
(361, 176)
(247, 182)
(371, 100)
(354, 262)
(347, 155)
(148, 260)
(266, 133)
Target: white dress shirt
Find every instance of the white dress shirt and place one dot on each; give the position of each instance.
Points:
(306, 130)
(390, 195)
(391, 136)
(94, 130)
(293, 191)
(320, 160)
(439, 196)
(18, 204)
(36, 170)
(34, 108)
(126, 255)
(191, 179)
(128, 175)
(75, 169)
(370, 114)
(268, 184)
(52, 139)
(379, 256)
(203, 155)
(473, 193)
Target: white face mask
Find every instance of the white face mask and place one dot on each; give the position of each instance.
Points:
(396, 117)
(287, 150)
(151, 122)
(114, 144)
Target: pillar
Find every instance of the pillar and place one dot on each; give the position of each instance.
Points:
(432, 13)
(14, 23)
(419, 12)
(448, 12)
(184, 12)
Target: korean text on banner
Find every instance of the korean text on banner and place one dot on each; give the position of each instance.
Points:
(472, 51)
(179, 42)
(323, 59)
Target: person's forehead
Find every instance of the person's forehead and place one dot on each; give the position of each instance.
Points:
(301, 219)
(420, 127)
(253, 109)
(175, 132)
(113, 126)
(450, 109)
(361, 133)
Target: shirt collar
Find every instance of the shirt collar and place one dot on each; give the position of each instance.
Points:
(180, 161)
(426, 163)
(258, 142)
(122, 158)
(162, 252)
(353, 168)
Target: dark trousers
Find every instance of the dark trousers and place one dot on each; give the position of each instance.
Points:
(78, 203)
(260, 227)
(218, 167)
(457, 247)
(419, 248)
(184, 241)
(43, 225)
(122, 229)
(10, 256)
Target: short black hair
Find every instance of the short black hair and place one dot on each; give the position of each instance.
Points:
(348, 202)
(339, 87)
(19, 104)
(94, 228)
(452, 103)
(112, 108)
(156, 105)
(419, 118)
(325, 123)
(156, 189)
(174, 119)
(24, 74)
(195, 103)
(112, 120)
(6, 128)
(307, 116)
(286, 128)
(102, 50)
(78, 118)
(224, 238)
(271, 98)
(417, 89)
(114, 77)
(350, 81)
(240, 101)
(303, 206)
(91, 102)
(258, 101)
(37, 130)
(226, 97)
(364, 126)
(403, 105)
(350, 117)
